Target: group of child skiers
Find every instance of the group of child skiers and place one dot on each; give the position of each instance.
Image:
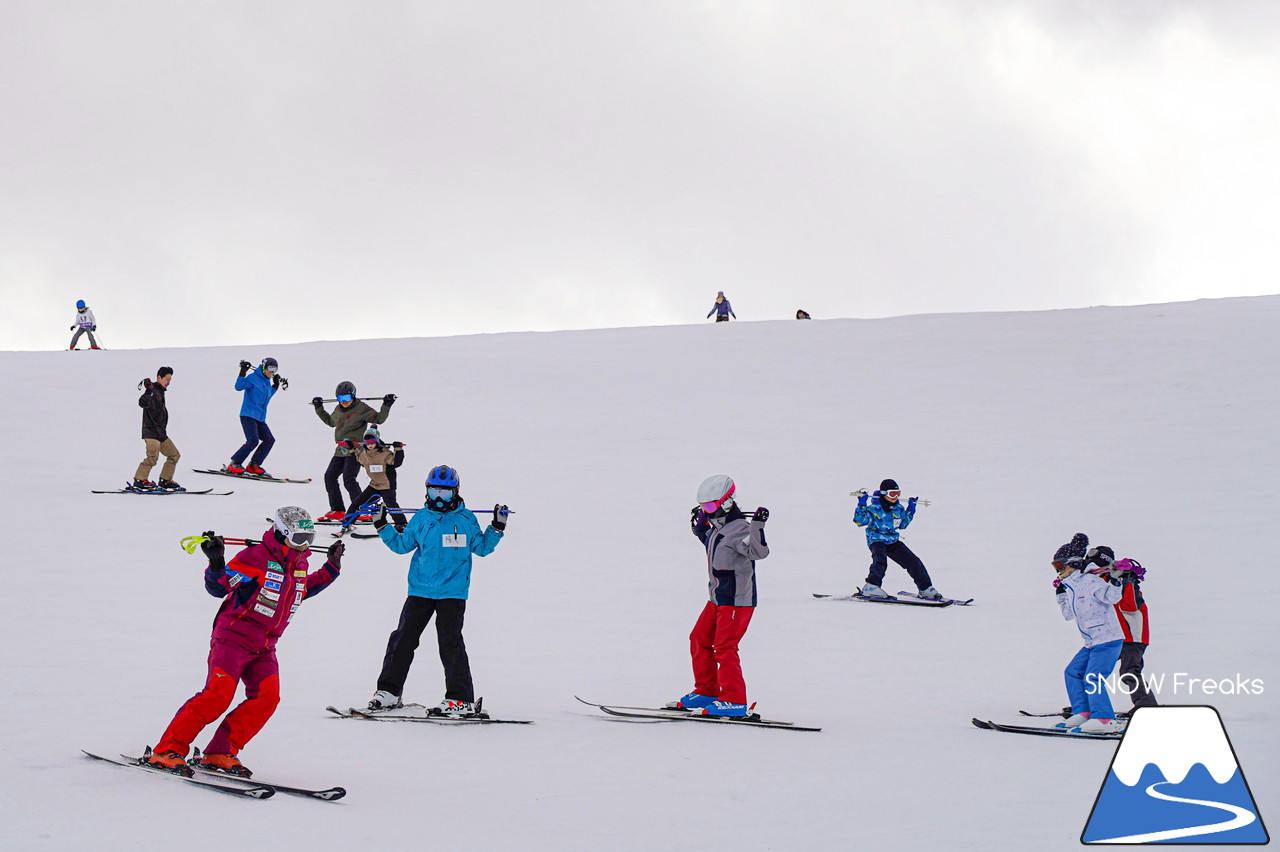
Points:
(1103, 596)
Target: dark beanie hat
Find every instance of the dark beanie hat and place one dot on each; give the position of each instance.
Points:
(1074, 549)
(888, 485)
(163, 371)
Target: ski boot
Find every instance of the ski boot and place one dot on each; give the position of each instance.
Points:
(335, 515)
(1100, 726)
(692, 701)
(143, 485)
(454, 709)
(728, 709)
(256, 470)
(872, 591)
(170, 485)
(167, 761)
(234, 468)
(1074, 721)
(930, 594)
(225, 764)
(383, 700)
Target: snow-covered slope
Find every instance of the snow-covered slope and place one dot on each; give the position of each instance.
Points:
(1149, 428)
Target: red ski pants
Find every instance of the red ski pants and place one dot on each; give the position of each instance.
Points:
(717, 672)
(228, 665)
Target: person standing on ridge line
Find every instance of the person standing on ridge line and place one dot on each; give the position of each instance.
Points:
(733, 545)
(884, 519)
(379, 461)
(1088, 598)
(722, 309)
(349, 419)
(155, 434)
(84, 324)
(263, 586)
(258, 386)
(443, 536)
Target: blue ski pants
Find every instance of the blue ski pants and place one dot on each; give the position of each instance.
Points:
(256, 434)
(1090, 693)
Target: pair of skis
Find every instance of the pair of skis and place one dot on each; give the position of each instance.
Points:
(129, 489)
(245, 787)
(666, 714)
(901, 599)
(254, 476)
(420, 713)
(1043, 732)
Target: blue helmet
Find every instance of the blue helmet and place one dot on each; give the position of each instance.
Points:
(442, 476)
(80, 305)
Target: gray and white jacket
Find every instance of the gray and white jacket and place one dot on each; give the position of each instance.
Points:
(733, 545)
(1090, 601)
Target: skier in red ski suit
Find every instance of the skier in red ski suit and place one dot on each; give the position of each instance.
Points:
(263, 586)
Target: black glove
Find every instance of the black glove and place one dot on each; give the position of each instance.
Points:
(694, 520)
(761, 515)
(389, 400)
(146, 383)
(381, 520)
(500, 514)
(93, 328)
(275, 381)
(317, 401)
(284, 384)
(335, 553)
(397, 444)
(73, 328)
(214, 549)
(244, 368)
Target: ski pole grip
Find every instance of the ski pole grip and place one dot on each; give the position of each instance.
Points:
(191, 542)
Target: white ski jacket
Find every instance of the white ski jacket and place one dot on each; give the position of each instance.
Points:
(1090, 601)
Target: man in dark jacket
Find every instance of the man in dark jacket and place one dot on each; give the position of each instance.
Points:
(155, 433)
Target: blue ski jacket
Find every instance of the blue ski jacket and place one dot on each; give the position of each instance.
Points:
(257, 393)
(442, 544)
(882, 524)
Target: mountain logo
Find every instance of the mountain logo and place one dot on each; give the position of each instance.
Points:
(1175, 779)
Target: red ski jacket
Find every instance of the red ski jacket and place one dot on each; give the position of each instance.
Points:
(1132, 611)
(263, 585)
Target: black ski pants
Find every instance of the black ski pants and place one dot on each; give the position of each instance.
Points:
(388, 496)
(346, 467)
(902, 555)
(453, 651)
(1131, 675)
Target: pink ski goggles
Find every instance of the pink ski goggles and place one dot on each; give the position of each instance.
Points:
(714, 506)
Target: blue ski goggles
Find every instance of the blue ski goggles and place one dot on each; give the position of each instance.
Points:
(345, 397)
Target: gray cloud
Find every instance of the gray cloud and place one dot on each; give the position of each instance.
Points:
(235, 172)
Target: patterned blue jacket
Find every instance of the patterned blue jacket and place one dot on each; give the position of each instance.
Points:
(882, 524)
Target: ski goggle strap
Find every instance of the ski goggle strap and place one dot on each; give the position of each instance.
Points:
(344, 397)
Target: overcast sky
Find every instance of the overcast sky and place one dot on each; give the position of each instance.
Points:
(237, 172)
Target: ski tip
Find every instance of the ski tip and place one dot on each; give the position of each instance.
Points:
(978, 723)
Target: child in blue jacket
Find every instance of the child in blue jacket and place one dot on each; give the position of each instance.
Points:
(884, 519)
(258, 387)
(443, 536)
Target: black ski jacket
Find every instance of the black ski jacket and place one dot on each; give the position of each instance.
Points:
(155, 415)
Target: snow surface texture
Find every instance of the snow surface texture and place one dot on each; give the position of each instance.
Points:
(1149, 428)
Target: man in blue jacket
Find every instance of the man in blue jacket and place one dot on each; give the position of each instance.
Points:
(258, 386)
(442, 537)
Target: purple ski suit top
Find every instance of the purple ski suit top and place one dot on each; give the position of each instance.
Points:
(263, 585)
(724, 309)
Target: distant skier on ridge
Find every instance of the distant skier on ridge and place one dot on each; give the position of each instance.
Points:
(85, 324)
(722, 309)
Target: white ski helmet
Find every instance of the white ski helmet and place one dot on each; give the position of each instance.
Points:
(295, 526)
(715, 494)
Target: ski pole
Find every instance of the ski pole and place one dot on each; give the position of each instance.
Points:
(363, 398)
(425, 509)
(862, 492)
(191, 542)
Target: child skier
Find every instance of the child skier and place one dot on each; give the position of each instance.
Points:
(733, 545)
(155, 434)
(442, 536)
(258, 386)
(1132, 612)
(722, 309)
(349, 419)
(884, 519)
(263, 585)
(380, 462)
(1087, 596)
(84, 324)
